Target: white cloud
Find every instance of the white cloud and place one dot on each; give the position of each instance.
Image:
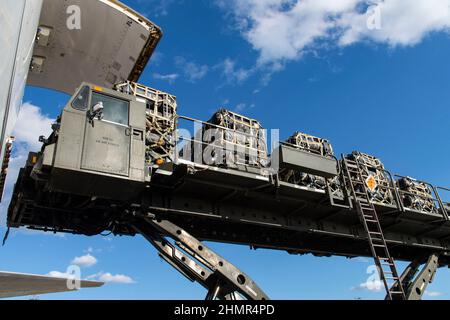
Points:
(30, 124)
(403, 22)
(156, 59)
(100, 276)
(92, 250)
(117, 278)
(434, 293)
(85, 261)
(373, 286)
(240, 107)
(283, 30)
(156, 7)
(166, 77)
(243, 106)
(232, 73)
(191, 70)
(110, 278)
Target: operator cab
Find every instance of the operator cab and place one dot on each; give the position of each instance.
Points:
(98, 144)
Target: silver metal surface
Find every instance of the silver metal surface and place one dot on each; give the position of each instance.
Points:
(106, 148)
(307, 162)
(18, 25)
(112, 44)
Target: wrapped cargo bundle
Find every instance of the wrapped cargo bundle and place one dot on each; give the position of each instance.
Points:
(416, 195)
(161, 119)
(241, 140)
(302, 179)
(311, 144)
(317, 146)
(372, 166)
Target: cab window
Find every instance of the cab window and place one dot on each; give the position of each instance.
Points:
(114, 110)
(82, 99)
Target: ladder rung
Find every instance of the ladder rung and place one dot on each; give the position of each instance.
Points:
(369, 217)
(367, 208)
(384, 259)
(368, 213)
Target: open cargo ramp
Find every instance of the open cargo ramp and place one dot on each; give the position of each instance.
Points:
(97, 41)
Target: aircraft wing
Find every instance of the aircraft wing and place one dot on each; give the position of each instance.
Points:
(20, 284)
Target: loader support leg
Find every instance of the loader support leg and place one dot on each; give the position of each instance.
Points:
(197, 262)
(416, 285)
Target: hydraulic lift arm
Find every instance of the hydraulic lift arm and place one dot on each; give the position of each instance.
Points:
(222, 279)
(415, 286)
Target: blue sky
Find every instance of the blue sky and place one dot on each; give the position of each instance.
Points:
(287, 63)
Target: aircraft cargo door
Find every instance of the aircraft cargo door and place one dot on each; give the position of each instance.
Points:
(107, 140)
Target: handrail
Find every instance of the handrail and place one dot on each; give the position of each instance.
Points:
(208, 143)
(136, 89)
(443, 188)
(433, 189)
(389, 187)
(444, 209)
(218, 126)
(256, 156)
(396, 191)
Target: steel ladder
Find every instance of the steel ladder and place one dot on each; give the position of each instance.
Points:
(369, 217)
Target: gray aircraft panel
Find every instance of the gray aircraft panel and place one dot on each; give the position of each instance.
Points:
(112, 44)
